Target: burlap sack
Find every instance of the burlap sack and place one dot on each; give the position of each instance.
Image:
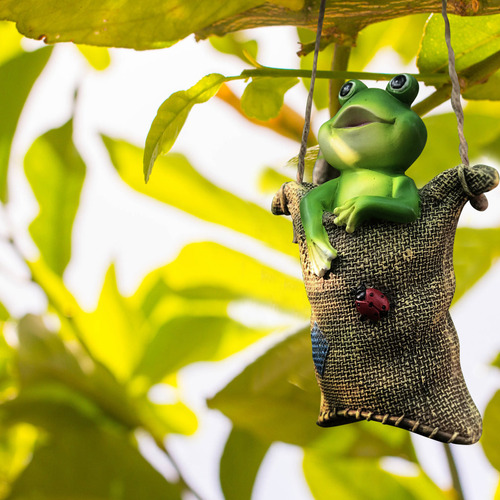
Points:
(403, 370)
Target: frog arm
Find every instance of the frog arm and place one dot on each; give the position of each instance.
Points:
(402, 207)
(312, 206)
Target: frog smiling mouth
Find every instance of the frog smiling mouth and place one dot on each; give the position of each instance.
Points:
(357, 116)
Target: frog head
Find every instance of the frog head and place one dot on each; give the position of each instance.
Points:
(374, 129)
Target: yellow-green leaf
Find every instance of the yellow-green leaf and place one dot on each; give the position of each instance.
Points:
(4, 314)
(163, 419)
(11, 41)
(364, 478)
(178, 184)
(171, 117)
(17, 76)
(149, 25)
(16, 448)
(270, 180)
(44, 360)
(281, 385)
(235, 44)
(239, 275)
(441, 150)
(188, 339)
(263, 97)
(402, 35)
(97, 57)
(474, 253)
(56, 173)
(240, 462)
(490, 440)
(81, 459)
(321, 96)
(116, 333)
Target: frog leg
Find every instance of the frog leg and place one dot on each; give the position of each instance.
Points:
(403, 206)
(312, 207)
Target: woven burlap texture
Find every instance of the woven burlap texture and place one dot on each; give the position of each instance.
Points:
(405, 369)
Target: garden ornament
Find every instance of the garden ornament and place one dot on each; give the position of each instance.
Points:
(377, 262)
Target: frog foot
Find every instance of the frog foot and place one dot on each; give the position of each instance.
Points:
(321, 256)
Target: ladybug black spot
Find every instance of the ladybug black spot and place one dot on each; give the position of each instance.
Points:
(371, 294)
(370, 304)
(383, 307)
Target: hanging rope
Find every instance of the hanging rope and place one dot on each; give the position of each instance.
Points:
(307, 120)
(478, 202)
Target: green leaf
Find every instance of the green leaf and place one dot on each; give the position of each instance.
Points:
(150, 25)
(473, 40)
(240, 462)
(56, 173)
(17, 76)
(474, 253)
(97, 57)
(81, 460)
(178, 184)
(185, 340)
(490, 439)
(263, 97)
(171, 117)
(235, 44)
(364, 478)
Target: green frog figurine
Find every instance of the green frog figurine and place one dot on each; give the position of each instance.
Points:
(372, 141)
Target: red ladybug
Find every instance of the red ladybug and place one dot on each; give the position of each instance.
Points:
(371, 303)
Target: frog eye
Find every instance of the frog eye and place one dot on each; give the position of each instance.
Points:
(349, 89)
(404, 88)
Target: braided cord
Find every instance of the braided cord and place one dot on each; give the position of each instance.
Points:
(478, 202)
(307, 119)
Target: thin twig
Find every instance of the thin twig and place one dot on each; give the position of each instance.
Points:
(455, 477)
(340, 62)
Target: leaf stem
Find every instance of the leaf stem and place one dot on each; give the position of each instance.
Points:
(266, 71)
(455, 478)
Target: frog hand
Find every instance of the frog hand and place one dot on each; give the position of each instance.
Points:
(321, 254)
(350, 213)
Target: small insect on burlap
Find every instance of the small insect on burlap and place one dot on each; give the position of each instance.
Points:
(377, 261)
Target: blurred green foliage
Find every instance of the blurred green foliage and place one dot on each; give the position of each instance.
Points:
(75, 386)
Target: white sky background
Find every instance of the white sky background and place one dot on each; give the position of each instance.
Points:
(139, 234)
